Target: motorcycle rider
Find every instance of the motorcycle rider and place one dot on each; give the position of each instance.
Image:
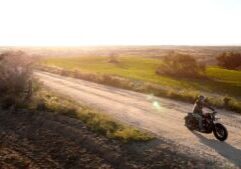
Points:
(200, 103)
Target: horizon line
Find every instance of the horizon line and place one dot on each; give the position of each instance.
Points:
(124, 45)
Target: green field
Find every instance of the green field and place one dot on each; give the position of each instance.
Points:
(219, 81)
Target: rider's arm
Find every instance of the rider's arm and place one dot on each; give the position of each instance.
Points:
(208, 106)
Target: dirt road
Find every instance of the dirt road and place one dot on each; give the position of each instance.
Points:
(162, 117)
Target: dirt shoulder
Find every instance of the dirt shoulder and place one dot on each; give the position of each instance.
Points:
(43, 140)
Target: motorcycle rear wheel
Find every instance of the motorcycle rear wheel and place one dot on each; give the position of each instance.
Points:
(220, 132)
(189, 123)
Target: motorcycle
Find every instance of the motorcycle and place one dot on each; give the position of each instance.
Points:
(209, 124)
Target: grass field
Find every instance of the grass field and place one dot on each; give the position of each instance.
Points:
(219, 81)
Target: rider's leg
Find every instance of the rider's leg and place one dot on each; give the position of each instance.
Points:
(199, 118)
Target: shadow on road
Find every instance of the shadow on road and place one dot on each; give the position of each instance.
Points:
(224, 149)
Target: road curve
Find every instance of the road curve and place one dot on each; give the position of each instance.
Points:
(163, 117)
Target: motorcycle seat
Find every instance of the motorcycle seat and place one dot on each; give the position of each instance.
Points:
(190, 114)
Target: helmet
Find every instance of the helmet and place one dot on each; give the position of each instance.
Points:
(201, 98)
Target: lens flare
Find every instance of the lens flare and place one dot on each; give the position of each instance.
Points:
(155, 104)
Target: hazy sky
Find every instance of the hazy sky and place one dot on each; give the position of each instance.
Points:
(120, 22)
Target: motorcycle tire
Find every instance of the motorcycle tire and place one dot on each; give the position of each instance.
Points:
(220, 132)
(189, 123)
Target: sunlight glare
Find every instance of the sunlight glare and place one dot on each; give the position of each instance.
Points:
(125, 22)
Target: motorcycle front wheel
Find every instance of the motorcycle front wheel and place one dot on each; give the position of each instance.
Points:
(220, 132)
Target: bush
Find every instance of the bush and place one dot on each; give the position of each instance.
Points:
(113, 58)
(234, 105)
(229, 60)
(181, 66)
(15, 71)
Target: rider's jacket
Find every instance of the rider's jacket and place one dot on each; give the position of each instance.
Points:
(199, 105)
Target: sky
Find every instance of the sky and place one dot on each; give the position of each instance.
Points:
(119, 22)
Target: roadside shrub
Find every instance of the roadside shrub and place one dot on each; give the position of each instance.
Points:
(234, 105)
(183, 95)
(226, 101)
(15, 71)
(110, 80)
(181, 65)
(215, 101)
(131, 134)
(229, 60)
(7, 101)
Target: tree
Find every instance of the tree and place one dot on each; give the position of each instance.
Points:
(15, 72)
(113, 58)
(229, 60)
(183, 65)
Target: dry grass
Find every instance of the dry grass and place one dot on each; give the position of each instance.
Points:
(46, 100)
